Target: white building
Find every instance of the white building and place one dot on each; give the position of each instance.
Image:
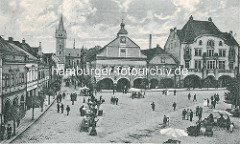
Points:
(204, 50)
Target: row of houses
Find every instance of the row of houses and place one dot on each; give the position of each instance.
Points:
(199, 48)
(25, 72)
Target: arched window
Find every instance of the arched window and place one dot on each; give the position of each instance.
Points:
(220, 43)
(210, 43)
(200, 42)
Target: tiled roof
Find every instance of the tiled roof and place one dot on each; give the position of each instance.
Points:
(195, 28)
(151, 53)
(5, 47)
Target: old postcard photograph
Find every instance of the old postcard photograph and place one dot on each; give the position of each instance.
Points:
(120, 71)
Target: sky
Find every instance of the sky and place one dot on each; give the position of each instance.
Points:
(96, 22)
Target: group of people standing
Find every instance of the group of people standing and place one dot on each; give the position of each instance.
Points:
(61, 107)
(73, 97)
(194, 97)
(188, 114)
(9, 131)
(114, 100)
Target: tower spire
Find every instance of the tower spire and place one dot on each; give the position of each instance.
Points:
(61, 26)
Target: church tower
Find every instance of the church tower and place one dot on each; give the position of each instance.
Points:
(61, 37)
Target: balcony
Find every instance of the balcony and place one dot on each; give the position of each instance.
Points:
(231, 58)
(187, 56)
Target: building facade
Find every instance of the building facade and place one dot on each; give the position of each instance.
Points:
(122, 59)
(14, 83)
(161, 67)
(204, 50)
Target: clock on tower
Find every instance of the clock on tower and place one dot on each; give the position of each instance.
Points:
(123, 39)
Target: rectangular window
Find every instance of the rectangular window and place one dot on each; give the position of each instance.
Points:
(198, 64)
(211, 64)
(210, 52)
(222, 53)
(231, 65)
(123, 52)
(221, 64)
(187, 64)
(198, 52)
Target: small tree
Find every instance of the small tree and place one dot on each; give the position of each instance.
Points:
(232, 96)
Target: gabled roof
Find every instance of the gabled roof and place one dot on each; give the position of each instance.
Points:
(151, 53)
(26, 47)
(30, 56)
(5, 47)
(194, 28)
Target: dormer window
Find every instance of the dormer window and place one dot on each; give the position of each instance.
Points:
(200, 42)
(220, 43)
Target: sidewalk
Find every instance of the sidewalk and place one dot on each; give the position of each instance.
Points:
(27, 121)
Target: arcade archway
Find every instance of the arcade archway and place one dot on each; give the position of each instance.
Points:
(167, 83)
(224, 80)
(122, 83)
(106, 83)
(192, 81)
(154, 83)
(140, 83)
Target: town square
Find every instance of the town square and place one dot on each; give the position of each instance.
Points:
(89, 71)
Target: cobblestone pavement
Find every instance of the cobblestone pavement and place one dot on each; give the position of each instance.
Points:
(132, 120)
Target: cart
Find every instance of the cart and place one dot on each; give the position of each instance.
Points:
(85, 125)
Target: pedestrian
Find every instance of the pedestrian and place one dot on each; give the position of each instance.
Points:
(153, 106)
(174, 92)
(184, 114)
(9, 131)
(163, 92)
(164, 120)
(2, 131)
(200, 114)
(18, 122)
(208, 101)
(231, 127)
(64, 95)
(68, 110)
(197, 110)
(191, 115)
(174, 106)
(62, 108)
(188, 114)
(84, 100)
(116, 101)
(214, 104)
(58, 107)
(195, 98)
(189, 96)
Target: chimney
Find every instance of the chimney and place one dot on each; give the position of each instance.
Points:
(23, 41)
(10, 39)
(191, 18)
(231, 32)
(150, 41)
(210, 19)
(40, 44)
